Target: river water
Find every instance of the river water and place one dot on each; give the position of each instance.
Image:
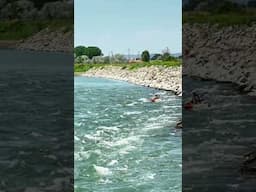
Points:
(36, 121)
(215, 138)
(123, 143)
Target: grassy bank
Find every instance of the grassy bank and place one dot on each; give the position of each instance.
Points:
(79, 68)
(17, 30)
(223, 19)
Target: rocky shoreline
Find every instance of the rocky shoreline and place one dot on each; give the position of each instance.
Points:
(155, 76)
(50, 41)
(8, 44)
(45, 41)
(224, 54)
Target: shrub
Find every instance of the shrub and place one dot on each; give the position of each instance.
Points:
(118, 58)
(83, 59)
(98, 60)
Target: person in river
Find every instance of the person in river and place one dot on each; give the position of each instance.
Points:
(196, 99)
(179, 125)
(155, 98)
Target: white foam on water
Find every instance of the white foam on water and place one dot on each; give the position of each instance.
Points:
(53, 157)
(35, 134)
(168, 106)
(126, 149)
(126, 141)
(102, 171)
(123, 169)
(77, 157)
(131, 104)
(84, 155)
(144, 100)
(78, 124)
(97, 151)
(91, 137)
(77, 138)
(113, 162)
(153, 126)
(151, 175)
(105, 181)
(114, 128)
(132, 112)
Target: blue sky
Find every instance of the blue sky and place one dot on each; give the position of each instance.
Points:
(119, 25)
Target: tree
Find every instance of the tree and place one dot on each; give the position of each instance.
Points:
(145, 56)
(80, 50)
(93, 51)
(167, 55)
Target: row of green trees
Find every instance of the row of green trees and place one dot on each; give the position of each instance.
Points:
(86, 55)
(165, 56)
(90, 52)
(117, 58)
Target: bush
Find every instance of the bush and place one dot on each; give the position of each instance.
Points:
(107, 60)
(83, 59)
(157, 57)
(118, 58)
(98, 60)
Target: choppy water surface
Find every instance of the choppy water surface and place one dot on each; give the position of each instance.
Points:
(123, 142)
(215, 138)
(36, 121)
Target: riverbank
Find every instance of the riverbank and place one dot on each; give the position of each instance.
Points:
(8, 44)
(49, 36)
(159, 77)
(49, 40)
(221, 53)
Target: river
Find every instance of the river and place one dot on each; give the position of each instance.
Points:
(123, 142)
(215, 138)
(36, 121)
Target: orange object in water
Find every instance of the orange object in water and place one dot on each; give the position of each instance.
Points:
(188, 105)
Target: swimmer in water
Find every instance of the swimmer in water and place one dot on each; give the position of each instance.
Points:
(155, 98)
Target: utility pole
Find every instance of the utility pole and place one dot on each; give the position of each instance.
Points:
(129, 54)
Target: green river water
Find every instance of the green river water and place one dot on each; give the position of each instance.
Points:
(123, 142)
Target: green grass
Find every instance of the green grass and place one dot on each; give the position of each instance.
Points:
(223, 19)
(79, 68)
(17, 30)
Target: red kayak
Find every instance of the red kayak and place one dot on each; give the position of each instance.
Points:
(198, 106)
(188, 105)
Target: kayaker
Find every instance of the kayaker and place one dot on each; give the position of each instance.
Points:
(196, 99)
(179, 125)
(155, 98)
